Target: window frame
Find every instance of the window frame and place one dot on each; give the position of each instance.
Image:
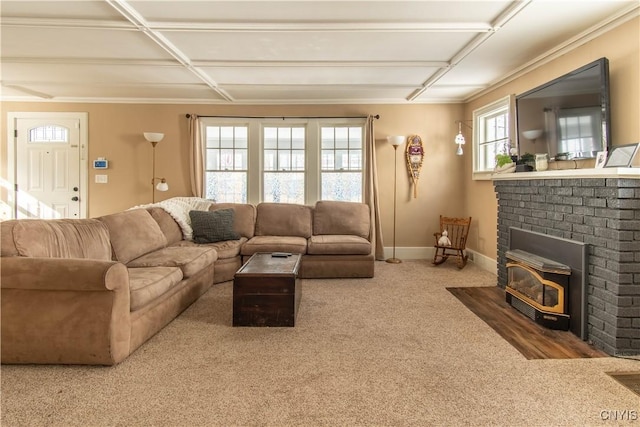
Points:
(220, 124)
(313, 149)
(349, 151)
(506, 104)
(290, 169)
(52, 130)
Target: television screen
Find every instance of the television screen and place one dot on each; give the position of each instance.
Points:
(568, 117)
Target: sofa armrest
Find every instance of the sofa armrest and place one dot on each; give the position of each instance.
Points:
(55, 274)
(60, 310)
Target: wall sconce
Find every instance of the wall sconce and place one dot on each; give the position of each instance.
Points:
(154, 138)
(395, 141)
(459, 140)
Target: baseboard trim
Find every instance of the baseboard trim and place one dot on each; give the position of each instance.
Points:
(484, 262)
(427, 252)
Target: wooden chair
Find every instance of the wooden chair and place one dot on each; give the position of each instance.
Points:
(457, 230)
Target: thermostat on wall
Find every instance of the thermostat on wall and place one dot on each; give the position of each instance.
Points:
(100, 163)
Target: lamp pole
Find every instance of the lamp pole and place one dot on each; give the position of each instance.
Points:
(154, 138)
(153, 172)
(396, 141)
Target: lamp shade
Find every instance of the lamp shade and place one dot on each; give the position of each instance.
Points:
(162, 185)
(395, 140)
(153, 136)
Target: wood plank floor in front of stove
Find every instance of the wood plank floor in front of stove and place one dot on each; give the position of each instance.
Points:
(529, 338)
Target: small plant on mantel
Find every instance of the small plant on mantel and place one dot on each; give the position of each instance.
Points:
(527, 159)
(503, 159)
(504, 163)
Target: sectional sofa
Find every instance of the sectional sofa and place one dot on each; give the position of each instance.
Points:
(92, 291)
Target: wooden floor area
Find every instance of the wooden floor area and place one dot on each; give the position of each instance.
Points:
(630, 380)
(529, 338)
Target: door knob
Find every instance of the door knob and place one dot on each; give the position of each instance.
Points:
(75, 198)
(75, 188)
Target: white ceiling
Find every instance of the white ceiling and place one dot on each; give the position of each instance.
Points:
(257, 52)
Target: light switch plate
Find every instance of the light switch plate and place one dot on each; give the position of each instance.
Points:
(102, 179)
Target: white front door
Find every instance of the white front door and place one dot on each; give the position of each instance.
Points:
(48, 167)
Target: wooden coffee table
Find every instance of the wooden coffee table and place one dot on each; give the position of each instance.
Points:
(266, 291)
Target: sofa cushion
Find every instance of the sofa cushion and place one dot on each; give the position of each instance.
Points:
(244, 221)
(133, 234)
(7, 244)
(331, 217)
(213, 226)
(293, 244)
(283, 219)
(225, 250)
(170, 228)
(62, 238)
(147, 284)
(338, 244)
(229, 248)
(190, 259)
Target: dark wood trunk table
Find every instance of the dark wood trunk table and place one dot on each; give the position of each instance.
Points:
(266, 291)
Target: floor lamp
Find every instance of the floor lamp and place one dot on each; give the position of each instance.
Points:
(154, 138)
(396, 141)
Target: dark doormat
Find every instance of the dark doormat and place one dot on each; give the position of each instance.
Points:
(529, 338)
(630, 380)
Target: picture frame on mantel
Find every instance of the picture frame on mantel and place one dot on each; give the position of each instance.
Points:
(622, 156)
(601, 159)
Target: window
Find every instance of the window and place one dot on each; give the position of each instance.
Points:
(288, 161)
(492, 131)
(341, 163)
(284, 164)
(226, 163)
(49, 134)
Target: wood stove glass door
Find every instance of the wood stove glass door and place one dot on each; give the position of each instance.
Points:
(527, 284)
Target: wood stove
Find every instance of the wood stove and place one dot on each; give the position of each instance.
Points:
(539, 288)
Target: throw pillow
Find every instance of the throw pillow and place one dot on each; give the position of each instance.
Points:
(213, 226)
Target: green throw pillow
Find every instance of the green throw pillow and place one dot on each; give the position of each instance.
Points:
(213, 226)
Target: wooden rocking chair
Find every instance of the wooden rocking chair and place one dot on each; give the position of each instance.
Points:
(457, 231)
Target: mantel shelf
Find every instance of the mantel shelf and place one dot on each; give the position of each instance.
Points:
(633, 173)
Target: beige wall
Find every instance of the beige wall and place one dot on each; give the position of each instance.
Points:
(115, 132)
(621, 47)
(445, 187)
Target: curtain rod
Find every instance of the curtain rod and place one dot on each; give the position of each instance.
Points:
(377, 116)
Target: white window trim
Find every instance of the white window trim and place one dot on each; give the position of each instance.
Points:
(313, 149)
(509, 102)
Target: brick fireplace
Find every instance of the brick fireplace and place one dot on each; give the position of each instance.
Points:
(601, 208)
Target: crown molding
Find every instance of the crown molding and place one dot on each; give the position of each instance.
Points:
(571, 44)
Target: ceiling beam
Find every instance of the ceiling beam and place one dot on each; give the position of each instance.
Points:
(139, 23)
(224, 63)
(315, 27)
(132, 15)
(507, 14)
(322, 64)
(28, 91)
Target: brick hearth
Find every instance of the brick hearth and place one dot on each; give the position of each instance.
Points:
(602, 211)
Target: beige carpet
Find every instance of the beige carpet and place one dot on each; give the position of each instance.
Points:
(396, 350)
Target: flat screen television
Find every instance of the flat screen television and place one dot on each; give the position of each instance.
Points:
(568, 117)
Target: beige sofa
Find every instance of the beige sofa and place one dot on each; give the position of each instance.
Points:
(92, 291)
(334, 238)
